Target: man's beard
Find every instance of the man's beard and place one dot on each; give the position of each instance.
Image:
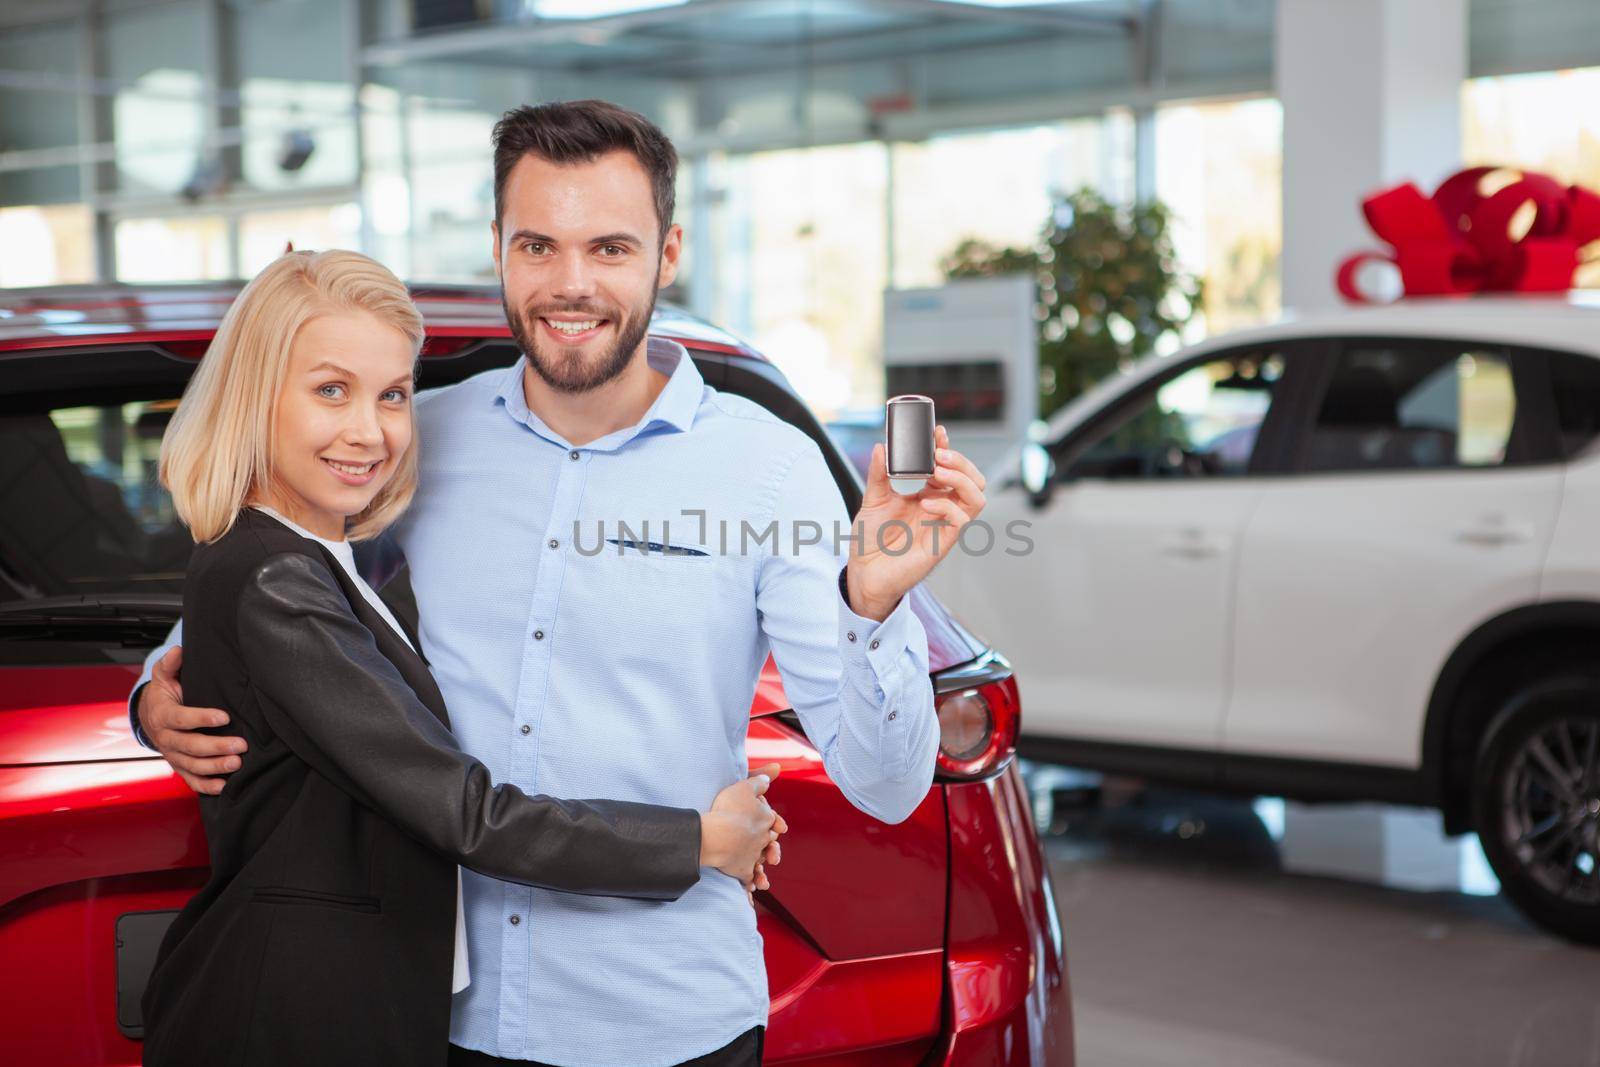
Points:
(567, 371)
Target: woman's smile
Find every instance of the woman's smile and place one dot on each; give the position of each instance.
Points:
(353, 473)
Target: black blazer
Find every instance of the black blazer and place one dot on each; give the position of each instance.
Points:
(326, 932)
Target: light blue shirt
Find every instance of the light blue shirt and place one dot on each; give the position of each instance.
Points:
(582, 673)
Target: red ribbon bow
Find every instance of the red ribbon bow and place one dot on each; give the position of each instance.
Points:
(1459, 241)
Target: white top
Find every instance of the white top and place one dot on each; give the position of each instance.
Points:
(347, 559)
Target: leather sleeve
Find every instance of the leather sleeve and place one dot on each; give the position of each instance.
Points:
(344, 708)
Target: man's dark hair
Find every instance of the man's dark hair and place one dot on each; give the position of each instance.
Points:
(579, 131)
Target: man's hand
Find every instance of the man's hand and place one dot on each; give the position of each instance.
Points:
(200, 759)
(885, 564)
(739, 835)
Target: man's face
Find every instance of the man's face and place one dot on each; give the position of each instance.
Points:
(579, 260)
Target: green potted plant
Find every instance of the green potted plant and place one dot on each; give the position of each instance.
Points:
(1108, 288)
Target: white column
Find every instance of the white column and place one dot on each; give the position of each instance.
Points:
(1371, 93)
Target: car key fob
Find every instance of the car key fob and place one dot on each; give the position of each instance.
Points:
(908, 436)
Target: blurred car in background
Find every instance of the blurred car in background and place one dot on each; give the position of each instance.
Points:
(854, 432)
(1348, 557)
(931, 941)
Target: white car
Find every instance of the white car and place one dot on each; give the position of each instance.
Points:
(1346, 557)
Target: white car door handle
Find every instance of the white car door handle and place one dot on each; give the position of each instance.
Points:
(1191, 551)
(1495, 532)
(1191, 544)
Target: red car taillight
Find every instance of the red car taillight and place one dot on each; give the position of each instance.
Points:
(979, 717)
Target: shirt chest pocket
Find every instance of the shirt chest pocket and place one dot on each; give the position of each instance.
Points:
(685, 584)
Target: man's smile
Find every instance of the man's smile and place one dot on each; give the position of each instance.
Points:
(572, 330)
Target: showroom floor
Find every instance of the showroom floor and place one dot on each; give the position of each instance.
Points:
(1207, 930)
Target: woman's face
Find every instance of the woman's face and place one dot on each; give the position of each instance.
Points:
(343, 419)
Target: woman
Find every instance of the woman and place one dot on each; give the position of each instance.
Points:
(330, 930)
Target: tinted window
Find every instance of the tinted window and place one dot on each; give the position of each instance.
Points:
(81, 510)
(1575, 382)
(1407, 405)
(92, 557)
(1203, 422)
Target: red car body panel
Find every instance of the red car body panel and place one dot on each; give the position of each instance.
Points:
(932, 941)
(1009, 998)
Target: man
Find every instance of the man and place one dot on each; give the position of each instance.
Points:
(578, 660)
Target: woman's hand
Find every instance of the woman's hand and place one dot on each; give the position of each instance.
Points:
(739, 835)
(887, 562)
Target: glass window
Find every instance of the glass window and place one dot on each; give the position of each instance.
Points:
(153, 55)
(801, 265)
(1575, 382)
(948, 188)
(46, 245)
(81, 509)
(187, 248)
(1201, 423)
(385, 191)
(1219, 167)
(1405, 406)
(429, 173)
(40, 114)
(266, 235)
(451, 194)
(297, 103)
(1548, 122)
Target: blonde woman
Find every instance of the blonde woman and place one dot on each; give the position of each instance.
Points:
(329, 931)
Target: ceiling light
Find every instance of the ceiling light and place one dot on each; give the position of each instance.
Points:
(594, 9)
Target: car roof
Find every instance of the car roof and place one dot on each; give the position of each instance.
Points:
(1567, 321)
(52, 316)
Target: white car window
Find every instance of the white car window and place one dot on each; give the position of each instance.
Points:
(1398, 405)
(1575, 383)
(1202, 422)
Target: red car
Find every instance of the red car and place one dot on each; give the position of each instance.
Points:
(934, 941)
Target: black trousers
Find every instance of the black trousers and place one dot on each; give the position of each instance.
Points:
(742, 1051)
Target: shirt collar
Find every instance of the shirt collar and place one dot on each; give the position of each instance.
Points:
(675, 406)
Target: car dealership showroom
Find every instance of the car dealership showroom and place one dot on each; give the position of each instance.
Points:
(1208, 395)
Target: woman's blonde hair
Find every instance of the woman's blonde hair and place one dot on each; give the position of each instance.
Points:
(217, 452)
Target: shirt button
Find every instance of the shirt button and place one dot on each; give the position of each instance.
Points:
(874, 643)
(554, 543)
(528, 729)
(516, 920)
(892, 716)
(538, 635)
(573, 454)
(850, 635)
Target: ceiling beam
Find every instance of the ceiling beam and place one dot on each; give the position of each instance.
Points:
(814, 60)
(702, 59)
(534, 32)
(1035, 109)
(1043, 17)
